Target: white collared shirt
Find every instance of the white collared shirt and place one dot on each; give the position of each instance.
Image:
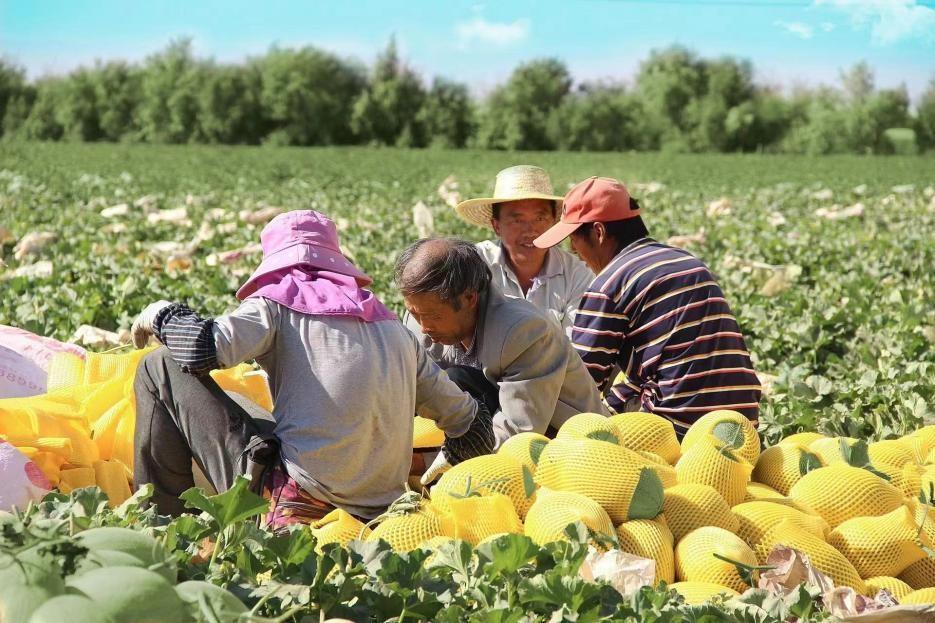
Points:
(557, 289)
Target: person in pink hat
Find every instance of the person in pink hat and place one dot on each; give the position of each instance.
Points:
(346, 378)
(655, 313)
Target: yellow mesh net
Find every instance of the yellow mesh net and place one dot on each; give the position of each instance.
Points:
(756, 519)
(891, 452)
(111, 477)
(590, 426)
(921, 442)
(706, 463)
(828, 449)
(425, 434)
(65, 369)
(618, 479)
(896, 587)
(649, 538)
(338, 526)
(906, 478)
(695, 559)
(488, 474)
(758, 491)
(665, 471)
(919, 597)
(697, 593)
(824, 557)
(476, 518)
(525, 448)
(408, 531)
(802, 439)
(690, 506)
(923, 515)
(920, 574)
(840, 492)
(649, 432)
(247, 382)
(781, 466)
(731, 428)
(75, 478)
(553, 511)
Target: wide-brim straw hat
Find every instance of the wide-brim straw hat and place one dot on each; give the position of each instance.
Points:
(513, 184)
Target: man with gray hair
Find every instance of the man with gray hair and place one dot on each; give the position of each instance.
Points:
(502, 350)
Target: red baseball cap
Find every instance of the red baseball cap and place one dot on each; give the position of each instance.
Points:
(595, 200)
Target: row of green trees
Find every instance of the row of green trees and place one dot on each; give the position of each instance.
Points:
(307, 96)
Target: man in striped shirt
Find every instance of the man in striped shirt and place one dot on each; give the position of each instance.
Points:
(654, 313)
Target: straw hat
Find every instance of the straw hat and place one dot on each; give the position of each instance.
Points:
(515, 183)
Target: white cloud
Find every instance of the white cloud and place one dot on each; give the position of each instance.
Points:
(800, 30)
(889, 20)
(499, 34)
(827, 26)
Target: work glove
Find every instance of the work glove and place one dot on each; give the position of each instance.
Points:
(477, 441)
(143, 325)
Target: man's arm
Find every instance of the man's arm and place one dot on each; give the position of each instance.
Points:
(598, 335)
(533, 363)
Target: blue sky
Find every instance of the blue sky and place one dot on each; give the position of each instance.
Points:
(790, 41)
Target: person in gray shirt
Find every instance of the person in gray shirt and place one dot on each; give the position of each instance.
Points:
(504, 349)
(346, 379)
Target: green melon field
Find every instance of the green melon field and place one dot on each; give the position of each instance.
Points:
(826, 261)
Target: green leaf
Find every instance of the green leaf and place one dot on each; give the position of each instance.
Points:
(506, 554)
(529, 483)
(808, 462)
(647, 496)
(603, 435)
(536, 446)
(857, 454)
(729, 432)
(235, 504)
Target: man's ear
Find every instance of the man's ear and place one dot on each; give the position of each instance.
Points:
(600, 232)
(495, 223)
(469, 300)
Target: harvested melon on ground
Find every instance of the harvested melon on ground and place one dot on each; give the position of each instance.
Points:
(920, 574)
(589, 426)
(648, 538)
(759, 491)
(891, 452)
(665, 471)
(823, 556)
(923, 515)
(478, 517)
(884, 545)
(907, 479)
(690, 506)
(647, 431)
(697, 593)
(802, 439)
(699, 557)
(486, 475)
(756, 519)
(732, 429)
(840, 492)
(921, 442)
(525, 448)
(553, 511)
(922, 596)
(894, 586)
(409, 522)
(708, 462)
(618, 479)
(338, 526)
(425, 434)
(781, 466)
(829, 449)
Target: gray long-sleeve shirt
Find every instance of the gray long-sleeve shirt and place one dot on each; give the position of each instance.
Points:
(344, 392)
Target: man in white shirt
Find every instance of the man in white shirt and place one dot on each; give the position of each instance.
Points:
(522, 208)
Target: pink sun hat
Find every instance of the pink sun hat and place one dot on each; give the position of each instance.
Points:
(301, 238)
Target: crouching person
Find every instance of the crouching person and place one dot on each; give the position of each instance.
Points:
(346, 377)
(504, 350)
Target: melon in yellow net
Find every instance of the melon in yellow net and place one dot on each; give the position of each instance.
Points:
(803, 439)
(890, 451)
(883, 545)
(690, 506)
(646, 431)
(338, 526)
(731, 428)
(828, 449)
(894, 586)
(823, 556)
(756, 519)
(589, 426)
(906, 478)
(697, 593)
(409, 522)
(840, 492)
(618, 479)
(759, 491)
(553, 511)
(696, 557)
(781, 466)
(648, 538)
(525, 448)
(708, 463)
(919, 597)
(920, 574)
(665, 471)
(425, 434)
(485, 475)
(478, 517)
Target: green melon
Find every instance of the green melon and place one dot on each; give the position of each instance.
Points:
(130, 595)
(70, 608)
(223, 605)
(109, 547)
(26, 582)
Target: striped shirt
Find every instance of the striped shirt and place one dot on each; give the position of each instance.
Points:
(656, 314)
